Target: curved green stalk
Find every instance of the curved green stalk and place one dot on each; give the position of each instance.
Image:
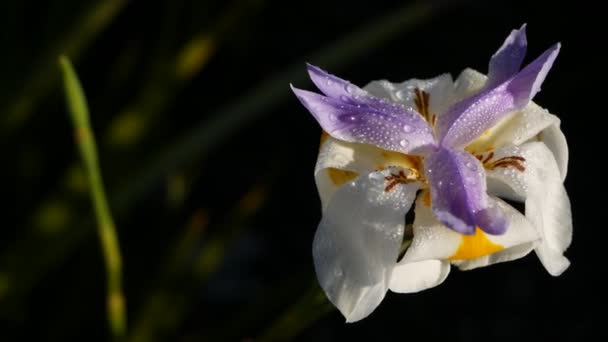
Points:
(85, 140)
(15, 280)
(312, 306)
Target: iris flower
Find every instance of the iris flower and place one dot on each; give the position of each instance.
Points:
(453, 150)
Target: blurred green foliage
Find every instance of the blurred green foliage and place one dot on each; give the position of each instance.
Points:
(141, 65)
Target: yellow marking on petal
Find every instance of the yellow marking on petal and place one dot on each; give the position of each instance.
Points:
(324, 137)
(426, 200)
(475, 246)
(406, 161)
(339, 177)
(539, 136)
(497, 133)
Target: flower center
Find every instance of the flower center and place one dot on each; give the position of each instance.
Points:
(400, 178)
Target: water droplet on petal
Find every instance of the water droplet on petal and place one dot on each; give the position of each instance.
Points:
(471, 166)
(440, 184)
(333, 117)
(408, 128)
(404, 143)
(328, 81)
(349, 88)
(401, 94)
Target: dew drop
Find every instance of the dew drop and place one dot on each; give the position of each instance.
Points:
(333, 117)
(471, 166)
(408, 128)
(349, 88)
(404, 143)
(401, 94)
(328, 81)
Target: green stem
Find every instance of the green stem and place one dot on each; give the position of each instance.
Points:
(85, 140)
(16, 281)
(312, 306)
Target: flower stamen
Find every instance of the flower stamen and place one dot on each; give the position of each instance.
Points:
(394, 179)
(505, 162)
(422, 106)
(488, 157)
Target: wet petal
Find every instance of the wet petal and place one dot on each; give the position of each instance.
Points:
(546, 200)
(507, 60)
(351, 114)
(335, 87)
(440, 91)
(519, 240)
(357, 243)
(458, 192)
(468, 83)
(340, 161)
(554, 139)
(434, 241)
(515, 129)
(509, 182)
(469, 118)
(417, 276)
(548, 208)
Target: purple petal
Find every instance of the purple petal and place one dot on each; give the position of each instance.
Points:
(526, 84)
(458, 193)
(469, 118)
(507, 60)
(351, 114)
(333, 86)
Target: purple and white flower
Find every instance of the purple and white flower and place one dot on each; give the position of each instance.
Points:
(454, 149)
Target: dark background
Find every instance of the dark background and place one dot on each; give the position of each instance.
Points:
(208, 162)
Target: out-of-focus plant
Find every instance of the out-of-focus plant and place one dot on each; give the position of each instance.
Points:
(106, 229)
